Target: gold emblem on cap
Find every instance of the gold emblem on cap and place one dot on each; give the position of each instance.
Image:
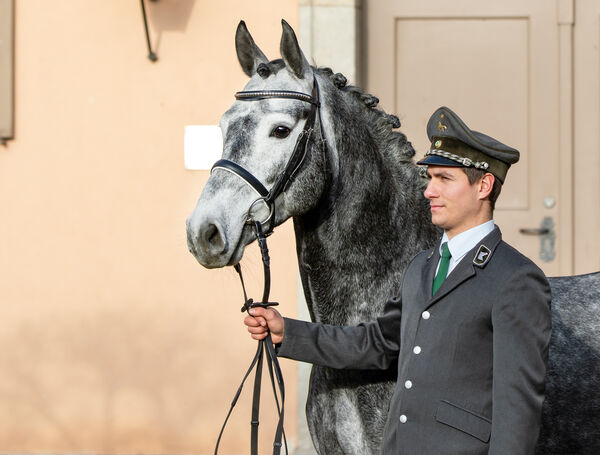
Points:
(438, 144)
(442, 127)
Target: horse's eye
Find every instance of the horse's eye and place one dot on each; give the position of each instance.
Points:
(280, 132)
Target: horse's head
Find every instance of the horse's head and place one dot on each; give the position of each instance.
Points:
(259, 135)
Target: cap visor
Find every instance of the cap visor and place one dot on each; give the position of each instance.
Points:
(434, 160)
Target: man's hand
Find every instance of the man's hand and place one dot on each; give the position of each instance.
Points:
(262, 320)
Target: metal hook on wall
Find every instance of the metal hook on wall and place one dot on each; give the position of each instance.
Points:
(151, 55)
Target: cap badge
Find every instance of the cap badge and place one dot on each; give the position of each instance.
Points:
(437, 144)
(482, 256)
(442, 127)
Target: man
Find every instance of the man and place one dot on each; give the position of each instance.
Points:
(470, 329)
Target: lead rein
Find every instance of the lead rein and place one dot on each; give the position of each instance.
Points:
(264, 346)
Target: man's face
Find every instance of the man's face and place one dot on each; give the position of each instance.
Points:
(455, 204)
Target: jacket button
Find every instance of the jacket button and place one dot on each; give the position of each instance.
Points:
(417, 349)
(426, 314)
(408, 384)
(403, 418)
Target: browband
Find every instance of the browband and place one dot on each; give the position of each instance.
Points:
(255, 95)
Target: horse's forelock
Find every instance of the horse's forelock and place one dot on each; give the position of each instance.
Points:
(265, 70)
(276, 65)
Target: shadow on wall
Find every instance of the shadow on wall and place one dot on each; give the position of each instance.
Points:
(167, 15)
(113, 379)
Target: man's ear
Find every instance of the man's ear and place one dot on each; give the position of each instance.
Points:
(485, 185)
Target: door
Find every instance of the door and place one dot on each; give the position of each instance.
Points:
(505, 68)
(586, 83)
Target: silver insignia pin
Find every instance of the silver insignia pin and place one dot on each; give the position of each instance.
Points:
(482, 256)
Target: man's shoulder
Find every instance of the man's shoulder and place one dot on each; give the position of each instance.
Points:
(512, 260)
(419, 261)
(507, 252)
(421, 258)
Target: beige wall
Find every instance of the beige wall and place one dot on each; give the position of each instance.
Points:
(112, 338)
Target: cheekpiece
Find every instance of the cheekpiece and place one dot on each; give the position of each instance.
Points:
(453, 143)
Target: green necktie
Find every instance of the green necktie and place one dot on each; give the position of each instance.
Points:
(443, 269)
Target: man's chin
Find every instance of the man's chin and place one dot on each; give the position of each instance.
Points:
(437, 220)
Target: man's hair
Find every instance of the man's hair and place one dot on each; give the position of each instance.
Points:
(475, 175)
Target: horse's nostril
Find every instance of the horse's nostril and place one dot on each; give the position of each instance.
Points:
(213, 234)
(213, 239)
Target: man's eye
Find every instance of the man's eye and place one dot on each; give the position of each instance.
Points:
(280, 132)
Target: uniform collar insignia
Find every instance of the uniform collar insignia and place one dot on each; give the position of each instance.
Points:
(482, 256)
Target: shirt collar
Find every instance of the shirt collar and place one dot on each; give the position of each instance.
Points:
(464, 242)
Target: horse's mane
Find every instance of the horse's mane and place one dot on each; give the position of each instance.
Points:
(380, 123)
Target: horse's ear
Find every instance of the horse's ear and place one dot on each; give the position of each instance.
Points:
(249, 55)
(291, 52)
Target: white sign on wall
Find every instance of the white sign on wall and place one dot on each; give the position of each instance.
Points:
(202, 146)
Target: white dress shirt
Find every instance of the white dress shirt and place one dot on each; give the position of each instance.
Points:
(461, 244)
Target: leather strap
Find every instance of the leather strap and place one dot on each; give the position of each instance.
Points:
(298, 154)
(238, 170)
(257, 95)
(265, 347)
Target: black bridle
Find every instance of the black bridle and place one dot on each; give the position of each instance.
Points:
(295, 161)
(268, 197)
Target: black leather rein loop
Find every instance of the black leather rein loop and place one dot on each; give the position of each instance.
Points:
(265, 348)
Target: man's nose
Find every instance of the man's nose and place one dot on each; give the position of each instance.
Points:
(430, 190)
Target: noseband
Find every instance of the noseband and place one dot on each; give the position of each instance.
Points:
(293, 165)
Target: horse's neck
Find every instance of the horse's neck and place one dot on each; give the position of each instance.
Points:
(353, 248)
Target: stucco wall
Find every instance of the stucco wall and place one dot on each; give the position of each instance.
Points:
(112, 338)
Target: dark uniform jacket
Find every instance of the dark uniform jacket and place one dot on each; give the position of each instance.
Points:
(471, 359)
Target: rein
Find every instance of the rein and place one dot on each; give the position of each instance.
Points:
(264, 346)
(268, 197)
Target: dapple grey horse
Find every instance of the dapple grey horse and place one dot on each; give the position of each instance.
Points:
(359, 216)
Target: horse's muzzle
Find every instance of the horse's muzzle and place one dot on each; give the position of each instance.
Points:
(207, 243)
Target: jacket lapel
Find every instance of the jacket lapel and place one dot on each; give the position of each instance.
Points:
(428, 272)
(464, 270)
